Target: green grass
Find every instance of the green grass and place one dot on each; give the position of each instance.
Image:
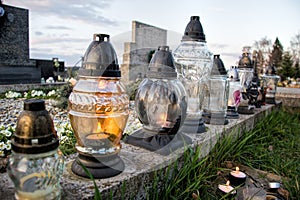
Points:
(273, 146)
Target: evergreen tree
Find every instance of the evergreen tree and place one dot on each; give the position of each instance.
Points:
(286, 66)
(276, 54)
(297, 70)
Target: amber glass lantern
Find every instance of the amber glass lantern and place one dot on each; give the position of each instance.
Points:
(270, 80)
(194, 62)
(214, 112)
(161, 106)
(98, 111)
(234, 96)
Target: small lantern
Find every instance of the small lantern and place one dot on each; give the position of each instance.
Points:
(161, 106)
(35, 166)
(214, 112)
(270, 80)
(246, 74)
(194, 63)
(99, 109)
(235, 90)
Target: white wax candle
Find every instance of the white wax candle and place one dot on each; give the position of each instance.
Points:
(227, 188)
(237, 173)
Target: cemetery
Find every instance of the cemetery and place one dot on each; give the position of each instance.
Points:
(183, 135)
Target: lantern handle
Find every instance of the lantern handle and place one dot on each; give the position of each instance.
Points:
(101, 37)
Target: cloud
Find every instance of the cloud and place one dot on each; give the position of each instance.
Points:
(39, 33)
(58, 27)
(58, 39)
(80, 10)
(218, 46)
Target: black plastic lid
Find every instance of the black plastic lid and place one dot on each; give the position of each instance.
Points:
(35, 131)
(218, 66)
(162, 64)
(100, 59)
(34, 105)
(245, 61)
(194, 30)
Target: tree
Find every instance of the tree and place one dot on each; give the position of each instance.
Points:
(295, 48)
(276, 54)
(297, 70)
(258, 61)
(286, 70)
(263, 48)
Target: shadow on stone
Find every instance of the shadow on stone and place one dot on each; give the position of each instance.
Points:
(159, 143)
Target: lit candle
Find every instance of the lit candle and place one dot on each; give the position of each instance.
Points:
(227, 188)
(230, 102)
(237, 177)
(162, 120)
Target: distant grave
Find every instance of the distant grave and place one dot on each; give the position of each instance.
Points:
(15, 65)
(137, 53)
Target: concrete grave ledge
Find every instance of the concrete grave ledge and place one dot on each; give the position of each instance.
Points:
(30, 86)
(288, 96)
(141, 165)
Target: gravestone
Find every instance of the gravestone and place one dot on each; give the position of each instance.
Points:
(16, 67)
(137, 54)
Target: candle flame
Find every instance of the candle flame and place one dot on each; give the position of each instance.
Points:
(99, 129)
(237, 169)
(102, 84)
(162, 119)
(228, 183)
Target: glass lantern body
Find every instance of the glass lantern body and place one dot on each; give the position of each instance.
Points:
(246, 76)
(193, 62)
(36, 176)
(270, 85)
(98, 114)
(234, 98)
(161, 105)
(217, 99)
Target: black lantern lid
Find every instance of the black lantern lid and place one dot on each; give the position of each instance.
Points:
(162, 64)
(271, 70)
(194, 30)
(35, 131)
(245, 61)
(100, 58)
(218, 66)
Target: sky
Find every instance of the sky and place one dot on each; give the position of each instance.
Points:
(65, 28)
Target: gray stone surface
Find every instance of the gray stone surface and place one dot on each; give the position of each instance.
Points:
(290, 97)
(141, 165)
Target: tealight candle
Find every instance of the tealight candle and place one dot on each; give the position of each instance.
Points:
(227, 188)
(237, 177)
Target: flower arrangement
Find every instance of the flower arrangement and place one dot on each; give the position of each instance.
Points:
(66, 137)
(13, 95)
(52, 94)
(5, 140)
